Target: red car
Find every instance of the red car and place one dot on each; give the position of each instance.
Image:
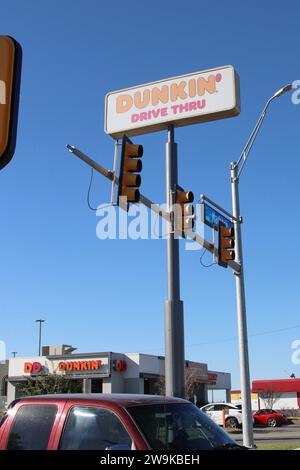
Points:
(109, 422)
(270, 418)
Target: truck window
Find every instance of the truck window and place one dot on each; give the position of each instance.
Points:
(31, 427)
(93, 428)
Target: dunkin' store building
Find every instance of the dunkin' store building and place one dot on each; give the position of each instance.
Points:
(107, 372)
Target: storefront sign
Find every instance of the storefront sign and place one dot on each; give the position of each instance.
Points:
(32, 368)
(188, 99)
(212, 378)
(119, 365)
(78, 365)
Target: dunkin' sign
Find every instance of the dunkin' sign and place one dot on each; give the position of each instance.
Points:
(188, 99)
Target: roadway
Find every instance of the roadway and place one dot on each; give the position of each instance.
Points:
(286, 434)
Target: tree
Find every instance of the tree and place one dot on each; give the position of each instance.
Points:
(269, 398)
(47, 384)
(192, 384)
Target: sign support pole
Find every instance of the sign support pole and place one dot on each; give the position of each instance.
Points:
(241, 313)
(174, 325)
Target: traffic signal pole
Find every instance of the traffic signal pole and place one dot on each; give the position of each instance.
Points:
(241, 313)
(148, 203)
(174, 324)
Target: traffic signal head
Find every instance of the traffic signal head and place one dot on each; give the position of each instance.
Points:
(129, 179)
(226, 245)
(10, 73)
(184, 211)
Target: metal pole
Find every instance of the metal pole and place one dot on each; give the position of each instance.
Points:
(112, 197)
(174, 327)
(40, 335)
(241, 314)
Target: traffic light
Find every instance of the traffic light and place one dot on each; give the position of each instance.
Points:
(184, 217)
(10, 74)
(226, 245)
(129, 178)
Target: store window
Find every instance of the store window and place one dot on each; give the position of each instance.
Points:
(39, 420)
(93, 428)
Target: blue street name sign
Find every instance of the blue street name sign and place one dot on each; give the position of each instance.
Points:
(213, 218)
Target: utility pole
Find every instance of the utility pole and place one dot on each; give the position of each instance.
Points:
(40, 336)
(174, 324)
(14, 353)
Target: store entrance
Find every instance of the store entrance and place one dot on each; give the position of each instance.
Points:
(97, 386)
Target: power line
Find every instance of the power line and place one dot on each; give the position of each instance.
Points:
(233, 338)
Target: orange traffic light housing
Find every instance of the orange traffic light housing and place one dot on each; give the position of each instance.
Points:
(226, 245)
(129, 177)
(10, 76)
(184, 211)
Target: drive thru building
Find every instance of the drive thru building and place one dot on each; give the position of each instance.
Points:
(109, 372)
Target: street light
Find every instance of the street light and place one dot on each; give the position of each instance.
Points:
(40, 335)
(235, 171)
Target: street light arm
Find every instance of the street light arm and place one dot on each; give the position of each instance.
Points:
(246, 150)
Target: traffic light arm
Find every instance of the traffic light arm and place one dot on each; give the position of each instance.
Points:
(148, 203)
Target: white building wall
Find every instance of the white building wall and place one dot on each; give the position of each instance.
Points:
(283, 401)
(223, 381)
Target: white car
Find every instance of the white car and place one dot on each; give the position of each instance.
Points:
(233, 414)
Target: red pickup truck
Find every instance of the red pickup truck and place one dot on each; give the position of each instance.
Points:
(109, 422)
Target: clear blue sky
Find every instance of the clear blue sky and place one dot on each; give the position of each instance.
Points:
(108, 295)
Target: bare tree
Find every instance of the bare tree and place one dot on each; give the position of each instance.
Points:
(192, 384)
(269, 398)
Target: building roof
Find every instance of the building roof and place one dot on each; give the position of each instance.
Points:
(276, 386)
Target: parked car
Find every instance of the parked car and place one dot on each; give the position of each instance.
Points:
(109, 422)
(268, 417)
(233, 414)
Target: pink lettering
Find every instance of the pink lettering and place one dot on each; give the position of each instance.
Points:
(155, 113)
(201, 104)
(183, 107)
(175, 108)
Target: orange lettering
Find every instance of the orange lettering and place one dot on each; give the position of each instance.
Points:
(192, 88)
(95, 365)
(160, 94)
(27, 367)
(177, 91)
(206, 85)
(139, 102)
(61, 366)
(124, 103)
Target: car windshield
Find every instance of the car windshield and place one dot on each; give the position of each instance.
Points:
(179, 426)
